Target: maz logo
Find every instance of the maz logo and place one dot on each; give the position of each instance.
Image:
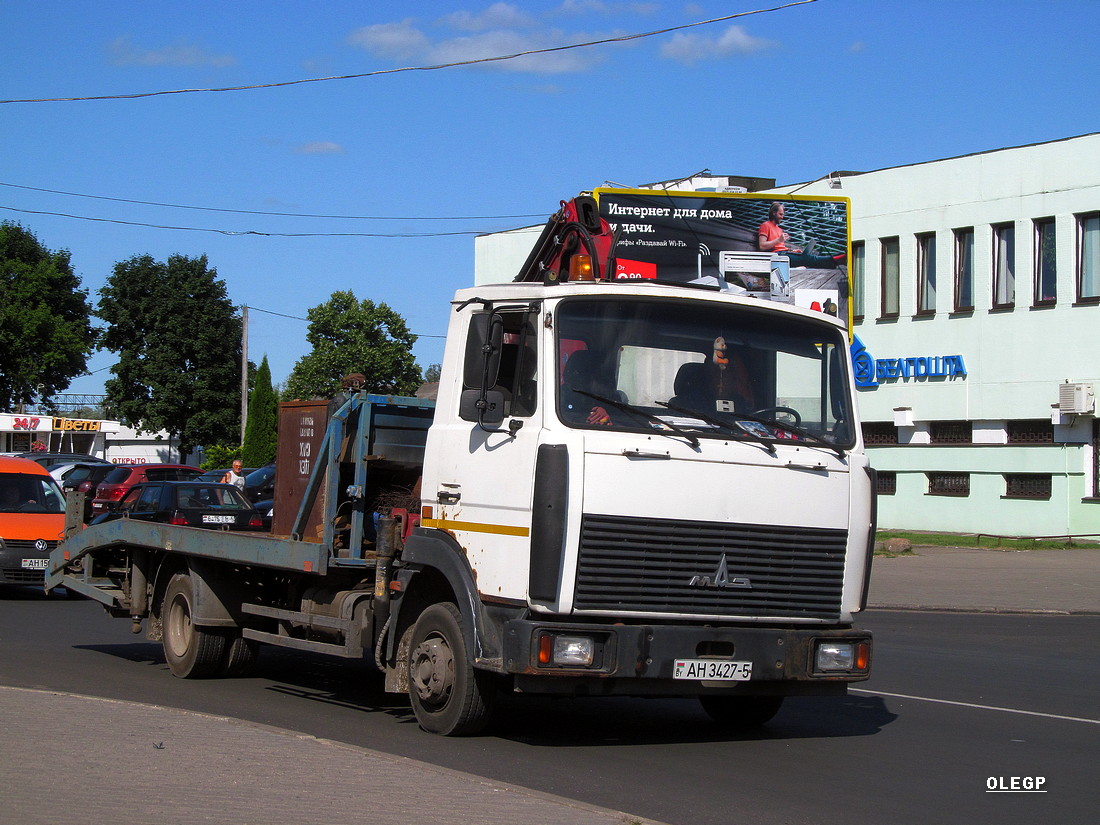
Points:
(721, 578)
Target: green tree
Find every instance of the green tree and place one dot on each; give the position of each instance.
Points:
(263, 414)
(219, 456)
(46, 333)
(178, 338)
(351, 336)
(432, 373)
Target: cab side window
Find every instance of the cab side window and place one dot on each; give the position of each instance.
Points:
(517, 375)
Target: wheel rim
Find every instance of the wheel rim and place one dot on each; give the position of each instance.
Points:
(179, 630)
(433, 671)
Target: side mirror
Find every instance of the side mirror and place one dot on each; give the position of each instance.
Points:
(483, 344)
(471, 408)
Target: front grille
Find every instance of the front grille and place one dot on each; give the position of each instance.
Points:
(17, 575)
(647, 565)
(27, 545)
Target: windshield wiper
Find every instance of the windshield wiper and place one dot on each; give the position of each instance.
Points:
(724, 425)
(630, 408)
(813, 439)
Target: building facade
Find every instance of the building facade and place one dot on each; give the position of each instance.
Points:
(975, 290)
(109, 440)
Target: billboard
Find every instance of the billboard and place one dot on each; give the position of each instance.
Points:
(788, 248)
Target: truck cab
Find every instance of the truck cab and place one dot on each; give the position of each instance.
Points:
(649, 483)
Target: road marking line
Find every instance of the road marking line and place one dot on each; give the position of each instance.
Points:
(972, 705)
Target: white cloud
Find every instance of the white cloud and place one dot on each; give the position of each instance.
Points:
(124, 53)
(602, 7)
(320, 147)
(394, 40)
(691, 48)
(498, 15)
(404, 41)
(502, 42)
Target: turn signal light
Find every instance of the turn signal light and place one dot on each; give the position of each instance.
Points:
(863, 656)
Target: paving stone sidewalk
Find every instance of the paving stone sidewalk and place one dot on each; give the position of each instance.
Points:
(73, 758)
(970, 579)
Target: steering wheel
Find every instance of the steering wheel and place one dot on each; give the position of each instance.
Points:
(797, 419)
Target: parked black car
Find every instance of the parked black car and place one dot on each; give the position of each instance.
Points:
(260, 484)
(218, 475)
(187, 503)
(86, 477)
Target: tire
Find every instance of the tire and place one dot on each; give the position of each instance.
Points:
(192, 652)
(739, 712)
(240, 656)
(449, 695)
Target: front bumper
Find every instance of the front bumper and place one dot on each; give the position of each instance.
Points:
(20, 565)
(638, 660)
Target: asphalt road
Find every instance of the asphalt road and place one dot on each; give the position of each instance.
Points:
(957, 702)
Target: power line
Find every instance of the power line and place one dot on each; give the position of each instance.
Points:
(379, 72)
(276, 214)
(300, 318)
(254, 232)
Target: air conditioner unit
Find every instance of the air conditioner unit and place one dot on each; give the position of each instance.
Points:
(1076, 399)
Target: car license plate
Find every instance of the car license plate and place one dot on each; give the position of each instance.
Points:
(719, 670)
(35, 564)
(218, 519)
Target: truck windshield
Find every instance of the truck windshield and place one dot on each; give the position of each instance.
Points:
(711, 370)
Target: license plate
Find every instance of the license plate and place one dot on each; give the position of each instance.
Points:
(712, 670)
(35, 564)
(218, 519)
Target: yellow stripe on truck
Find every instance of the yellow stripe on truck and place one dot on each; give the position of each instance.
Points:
(475, 527)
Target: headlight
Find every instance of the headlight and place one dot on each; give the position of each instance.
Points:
(841, 657)
(564, 651)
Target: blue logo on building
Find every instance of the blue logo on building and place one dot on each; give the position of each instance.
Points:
(870, 372)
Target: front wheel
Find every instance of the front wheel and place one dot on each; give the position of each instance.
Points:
(449, 695)
(192, 652)
(736, 712)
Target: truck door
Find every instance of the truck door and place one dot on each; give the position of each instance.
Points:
(486, 454)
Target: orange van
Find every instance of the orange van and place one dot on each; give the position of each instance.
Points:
(32, 520)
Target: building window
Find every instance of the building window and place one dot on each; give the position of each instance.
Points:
(964, 269)
(951, 432)
(926, 274)
(1039, 431)
(1095, 458)
(859, 256)
(1088, 258)
(1004, 266)
(1027, 485)
(891, 278)
(886, 483)
(1046, 269)
(879, 432)
(948, 484)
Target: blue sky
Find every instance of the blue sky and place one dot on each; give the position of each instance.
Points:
(790, 94)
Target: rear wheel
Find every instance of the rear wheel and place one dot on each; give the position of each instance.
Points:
(449, 695)
(240, 655)
(192, 652)
(741, 711)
